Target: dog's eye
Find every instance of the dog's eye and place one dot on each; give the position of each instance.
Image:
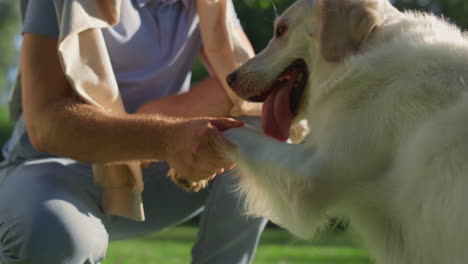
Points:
(280, 30)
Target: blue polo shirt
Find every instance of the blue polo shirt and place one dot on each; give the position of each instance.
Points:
(152, 51)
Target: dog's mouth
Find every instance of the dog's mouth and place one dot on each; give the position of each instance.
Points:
(282, 100)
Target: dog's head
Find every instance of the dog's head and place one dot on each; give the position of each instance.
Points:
(310, 36)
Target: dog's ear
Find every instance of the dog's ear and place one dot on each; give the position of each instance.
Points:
(344, 25)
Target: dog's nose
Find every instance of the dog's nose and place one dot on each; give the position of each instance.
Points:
(231, 78)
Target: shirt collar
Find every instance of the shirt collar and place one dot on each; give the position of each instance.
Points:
(142, 3)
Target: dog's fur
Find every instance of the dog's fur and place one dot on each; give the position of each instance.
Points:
(388, 146)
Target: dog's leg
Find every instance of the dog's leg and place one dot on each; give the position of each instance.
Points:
(280, 181)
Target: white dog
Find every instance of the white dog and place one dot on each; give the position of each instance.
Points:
(383, 92)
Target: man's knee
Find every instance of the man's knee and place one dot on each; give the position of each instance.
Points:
(48, 235)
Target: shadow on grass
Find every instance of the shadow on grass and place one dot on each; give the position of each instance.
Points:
(279, 247)
(271, 236)
(318, 259)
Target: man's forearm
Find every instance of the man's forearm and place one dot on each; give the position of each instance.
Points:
(85, 133)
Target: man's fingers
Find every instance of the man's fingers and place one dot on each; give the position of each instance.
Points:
(213, 153)
(146, 163)
(218, 167)
(220, 145)
(233, 166)
(188, 185)
(199, 175)
(226, 123)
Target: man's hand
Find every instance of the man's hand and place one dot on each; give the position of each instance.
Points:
(195, 152)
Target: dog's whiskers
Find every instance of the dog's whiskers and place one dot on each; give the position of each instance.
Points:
(275, 9)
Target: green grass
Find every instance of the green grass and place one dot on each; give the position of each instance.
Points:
(5, 125)
(173, 246)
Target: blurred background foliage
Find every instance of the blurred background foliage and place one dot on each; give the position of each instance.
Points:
(256, 16)
(9, 26)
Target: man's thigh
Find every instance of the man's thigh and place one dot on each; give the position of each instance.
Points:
(56, 199)
(45, 201)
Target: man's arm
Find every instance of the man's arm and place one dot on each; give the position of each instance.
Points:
(60, 123)
(206, 98)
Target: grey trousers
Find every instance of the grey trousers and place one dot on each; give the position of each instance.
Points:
(50, 213)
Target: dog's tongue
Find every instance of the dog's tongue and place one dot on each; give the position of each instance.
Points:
(276, 112)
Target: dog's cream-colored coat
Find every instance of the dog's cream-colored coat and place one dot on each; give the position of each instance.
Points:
(388, 115)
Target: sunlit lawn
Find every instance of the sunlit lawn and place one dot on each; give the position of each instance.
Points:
(173, 246)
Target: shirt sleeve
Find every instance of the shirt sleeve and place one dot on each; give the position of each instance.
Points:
(233, 15)
(40, 18)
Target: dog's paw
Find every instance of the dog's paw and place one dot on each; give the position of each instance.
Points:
(246, 139)
(251, 146)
